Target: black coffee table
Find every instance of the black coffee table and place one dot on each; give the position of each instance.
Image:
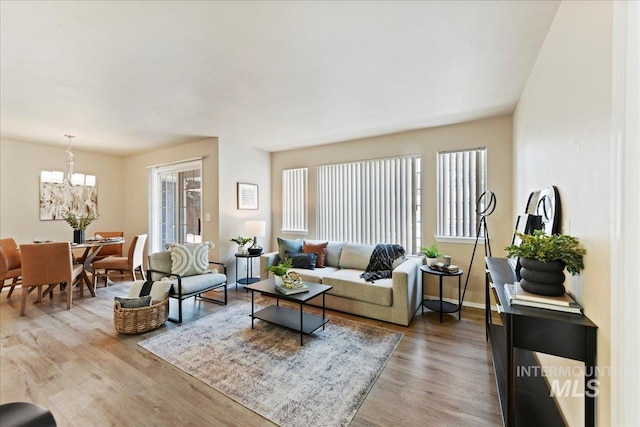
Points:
(297, 320)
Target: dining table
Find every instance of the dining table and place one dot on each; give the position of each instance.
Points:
(91, 249)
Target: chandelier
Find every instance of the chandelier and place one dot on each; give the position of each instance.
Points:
(68, 176)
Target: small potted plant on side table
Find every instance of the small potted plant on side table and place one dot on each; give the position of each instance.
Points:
(280, 270)
(79, 223)
(431, 253)
(241, 241)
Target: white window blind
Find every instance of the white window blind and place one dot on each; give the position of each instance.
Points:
(294, 200)
(461, 180)
(368, 202)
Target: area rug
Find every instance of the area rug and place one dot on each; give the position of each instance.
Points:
(265, 369)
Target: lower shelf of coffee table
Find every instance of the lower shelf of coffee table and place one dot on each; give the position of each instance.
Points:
(290, 318)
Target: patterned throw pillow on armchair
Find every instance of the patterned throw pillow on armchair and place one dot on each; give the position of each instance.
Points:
(189, 259)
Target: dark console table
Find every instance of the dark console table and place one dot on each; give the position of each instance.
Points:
(525, 398)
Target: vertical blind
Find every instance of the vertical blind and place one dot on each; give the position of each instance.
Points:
(294, 200)
(461, 180)
(368, 202)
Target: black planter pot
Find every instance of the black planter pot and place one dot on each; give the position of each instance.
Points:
(78, 236)
(542, 278)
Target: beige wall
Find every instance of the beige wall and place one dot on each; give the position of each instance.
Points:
(248, 165)
(136, 191)
(20, 166)
(562, 131)
(494, 133)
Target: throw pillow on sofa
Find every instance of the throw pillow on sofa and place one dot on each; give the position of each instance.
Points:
(320, 249)
(293, 246)
(305, 261)
(189, 259)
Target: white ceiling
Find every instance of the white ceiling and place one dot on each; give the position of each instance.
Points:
(127, 77)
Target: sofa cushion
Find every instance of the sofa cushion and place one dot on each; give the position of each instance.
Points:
(314, 276)
(305, 261)
(288, 245)
(348, 284)
(159, 290)
(355, 256)
(195, 284)
(334, 250)
(319, 249)
(190, 258)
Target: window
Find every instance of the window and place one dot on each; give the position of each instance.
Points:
(461, 181)
(294, 200)
(369, 202)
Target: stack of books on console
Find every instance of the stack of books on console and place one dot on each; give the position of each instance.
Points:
(296, 289)
(518, 296)
(439, 266)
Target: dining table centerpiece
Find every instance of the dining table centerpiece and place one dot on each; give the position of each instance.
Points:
(79, 223)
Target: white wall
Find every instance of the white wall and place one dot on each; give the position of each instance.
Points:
(494, 133)
(562, 131)
(20, 166)
(248, 165)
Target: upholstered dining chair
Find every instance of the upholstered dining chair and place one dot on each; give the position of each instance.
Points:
(10, 264)
(132, 262)
(48, 264)
(109, 250)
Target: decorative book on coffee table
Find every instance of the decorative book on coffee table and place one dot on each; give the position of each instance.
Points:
(290, 291)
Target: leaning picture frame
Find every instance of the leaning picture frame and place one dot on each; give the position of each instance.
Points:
(247, 196)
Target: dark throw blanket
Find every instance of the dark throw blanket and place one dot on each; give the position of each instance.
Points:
(381, 262)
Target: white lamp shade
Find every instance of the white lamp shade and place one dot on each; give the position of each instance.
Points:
(255, 228)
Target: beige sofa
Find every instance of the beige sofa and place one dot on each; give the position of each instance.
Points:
(392, 300)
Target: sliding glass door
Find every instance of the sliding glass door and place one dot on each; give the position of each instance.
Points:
(176, 204)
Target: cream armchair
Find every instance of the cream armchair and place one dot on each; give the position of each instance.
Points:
(184, 287)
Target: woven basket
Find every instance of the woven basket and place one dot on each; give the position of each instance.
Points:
(140, 320)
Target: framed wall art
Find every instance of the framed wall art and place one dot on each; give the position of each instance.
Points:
(247, 196)
(56, 198)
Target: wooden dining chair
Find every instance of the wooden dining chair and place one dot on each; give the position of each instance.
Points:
(48, 264)
(131, 263)
(10, 264)
(109, 250)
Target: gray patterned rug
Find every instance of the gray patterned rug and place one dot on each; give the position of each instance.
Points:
(321, 384)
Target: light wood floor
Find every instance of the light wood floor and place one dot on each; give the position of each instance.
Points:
(75, 364)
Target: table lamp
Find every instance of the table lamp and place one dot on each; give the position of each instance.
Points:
(256, 229)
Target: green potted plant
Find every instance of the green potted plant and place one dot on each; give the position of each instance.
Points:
(543, 259)
(241, 241)
(431, 253)
(79, 223)
(280, 270)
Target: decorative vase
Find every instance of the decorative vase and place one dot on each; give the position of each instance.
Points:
(542, 278)
(431, 261)
(279, 280)
(78, 236)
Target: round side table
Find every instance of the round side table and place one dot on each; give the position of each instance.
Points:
(439, 305)
(249, 279)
